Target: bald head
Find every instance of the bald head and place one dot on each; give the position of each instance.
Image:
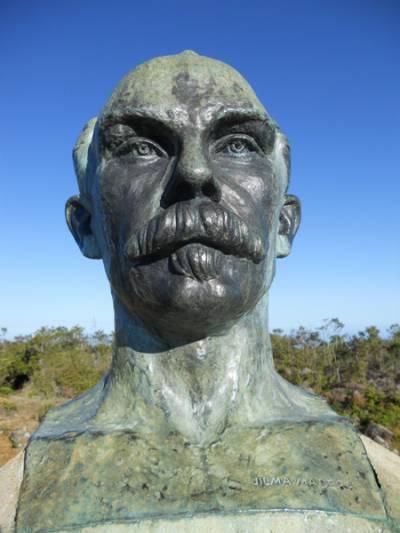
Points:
(172, 88)
(182, 81)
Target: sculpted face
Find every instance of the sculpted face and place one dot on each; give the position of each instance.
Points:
(184, 197)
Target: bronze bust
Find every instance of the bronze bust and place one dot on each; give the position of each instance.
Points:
(183, 182)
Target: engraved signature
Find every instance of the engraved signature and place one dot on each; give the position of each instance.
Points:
(270, 481)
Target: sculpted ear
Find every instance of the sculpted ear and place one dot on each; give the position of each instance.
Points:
(79, 222)
(289, 220)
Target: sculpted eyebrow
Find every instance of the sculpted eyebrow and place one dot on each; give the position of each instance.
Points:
(253, 124)
(230, 115)
(143, 124)
(134, 119)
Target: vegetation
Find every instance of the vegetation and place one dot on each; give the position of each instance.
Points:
(359, 375)
(54, 362)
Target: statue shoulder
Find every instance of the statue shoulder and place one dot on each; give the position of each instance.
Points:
(72, 416)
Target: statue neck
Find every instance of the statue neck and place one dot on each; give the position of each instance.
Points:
(199, 388)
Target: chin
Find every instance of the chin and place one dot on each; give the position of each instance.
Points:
(180, 308)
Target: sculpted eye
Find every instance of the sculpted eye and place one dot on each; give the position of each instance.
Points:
(139, 149)
(237, 146)
(122, 140)
(143, 149)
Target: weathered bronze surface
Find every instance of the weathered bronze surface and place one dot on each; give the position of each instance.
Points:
(97, 477)
(183, 183)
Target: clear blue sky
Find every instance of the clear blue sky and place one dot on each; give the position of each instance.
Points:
(327, 71)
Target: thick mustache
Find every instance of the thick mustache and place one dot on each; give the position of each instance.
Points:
(186, 222)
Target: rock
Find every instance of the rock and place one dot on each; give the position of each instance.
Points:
(379, 433)
(387, 467)
(338, 395)
(19, 438)
(10, 480)
(356, 421)
(358, 398)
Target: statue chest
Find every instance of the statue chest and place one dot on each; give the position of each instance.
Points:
(92, 478)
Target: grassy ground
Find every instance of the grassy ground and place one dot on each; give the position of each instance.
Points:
(19, 413)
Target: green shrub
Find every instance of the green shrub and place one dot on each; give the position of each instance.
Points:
(6, 391)
(54, 361)
(336, 365)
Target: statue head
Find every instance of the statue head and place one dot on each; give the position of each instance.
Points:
(183, 180)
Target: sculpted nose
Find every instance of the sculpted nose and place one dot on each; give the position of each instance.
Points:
(192, 178)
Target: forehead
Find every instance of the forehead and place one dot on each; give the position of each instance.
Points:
(183, 85)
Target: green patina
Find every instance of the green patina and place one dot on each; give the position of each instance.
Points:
(192, 417)
(92, 478)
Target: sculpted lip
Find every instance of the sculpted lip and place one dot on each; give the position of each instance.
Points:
(184, 223)
(197, 262)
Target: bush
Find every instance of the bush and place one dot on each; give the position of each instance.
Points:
(54, 361)
(5, 391)
(359, 375)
